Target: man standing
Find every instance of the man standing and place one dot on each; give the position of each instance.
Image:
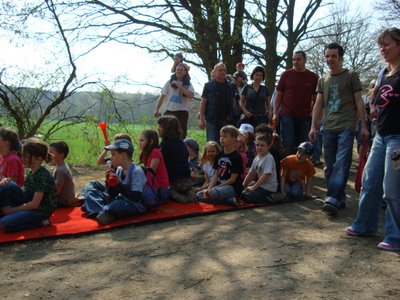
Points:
(178, 97)
(295, 95)
(239, 79)
(216, 105)
(338, 101)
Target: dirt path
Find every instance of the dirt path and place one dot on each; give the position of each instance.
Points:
(288, 251)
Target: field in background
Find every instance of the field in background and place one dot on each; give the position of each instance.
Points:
(86, 140)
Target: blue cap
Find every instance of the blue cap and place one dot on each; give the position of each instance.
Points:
(306, 147)
(122, 144)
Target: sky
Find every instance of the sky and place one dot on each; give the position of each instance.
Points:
(116, 60)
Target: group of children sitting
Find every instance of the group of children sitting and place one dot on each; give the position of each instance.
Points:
(244, 166)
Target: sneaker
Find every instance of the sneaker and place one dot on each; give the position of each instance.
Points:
(46, 222)
(350, 231)
(105, 218)
(387, 247)
(329, 209)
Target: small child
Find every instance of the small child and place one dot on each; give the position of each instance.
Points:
(151, 157)
(62, 174)
(261, 180)
(176, 158)
(31, 206)
(10, 163)
(196, 173)
(241, 148)
(297, 172)
(178, 59)
(240, 68)
(275, 149)
(102, 160)
(226, 184)
(247, 131)
(121, 198)
(211, 150)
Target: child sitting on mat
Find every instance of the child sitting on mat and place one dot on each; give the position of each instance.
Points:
(151, 157)
(261, 181)
(122, 196)
(62, 174)
(226, 184)
(31, 206)
(10, 163)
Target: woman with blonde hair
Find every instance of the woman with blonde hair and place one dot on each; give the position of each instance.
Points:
(381, 176)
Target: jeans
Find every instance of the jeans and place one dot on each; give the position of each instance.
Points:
(316, 156)
(219, 194)
(294, 130)
(259, 195)
(13, 195)
(213, 129)
(294, 190)
(380, 181)
(97, 200)
(338, 152)
(22, 220)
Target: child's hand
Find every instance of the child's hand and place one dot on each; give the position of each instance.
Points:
(250, 188)
(4, 181)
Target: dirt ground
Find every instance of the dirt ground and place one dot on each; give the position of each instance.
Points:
(287, 251)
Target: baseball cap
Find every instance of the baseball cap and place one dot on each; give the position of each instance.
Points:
(192, 144)
(306, 147)
(246, 128)
(122, 144)
(239, 74)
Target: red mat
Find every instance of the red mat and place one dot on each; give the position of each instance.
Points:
(68, 221)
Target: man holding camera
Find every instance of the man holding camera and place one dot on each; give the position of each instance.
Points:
(177, 95)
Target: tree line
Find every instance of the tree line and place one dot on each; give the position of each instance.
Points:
(208, 31)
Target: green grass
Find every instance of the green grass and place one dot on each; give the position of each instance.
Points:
(86, 140)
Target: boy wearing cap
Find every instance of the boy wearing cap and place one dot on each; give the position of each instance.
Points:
(122, 198)
(196, 173)
(296, 173)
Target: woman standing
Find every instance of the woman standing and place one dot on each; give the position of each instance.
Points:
(380, 166)
(254, 100)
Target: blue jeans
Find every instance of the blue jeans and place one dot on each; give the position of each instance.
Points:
(316, 156)
(338, 152)
(219, 194)
(13, 195)
(213, 129)
(259, 195)
(97, 200)
(380, 180)
(22, 220)
(294, 190)
(294, 130)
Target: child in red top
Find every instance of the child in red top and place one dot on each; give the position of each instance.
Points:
(152, 158)
(10, 163)
(297, 172)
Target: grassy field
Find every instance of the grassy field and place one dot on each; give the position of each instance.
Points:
(86, 140)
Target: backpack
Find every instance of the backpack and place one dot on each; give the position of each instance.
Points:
(150, 191)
